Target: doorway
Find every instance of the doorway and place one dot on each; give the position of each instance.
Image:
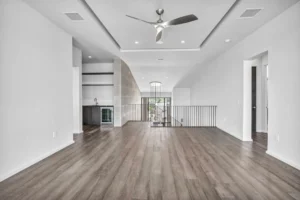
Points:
(259, 100)
(255, 100)
(259, 137)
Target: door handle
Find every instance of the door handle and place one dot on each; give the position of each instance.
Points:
(254, 107)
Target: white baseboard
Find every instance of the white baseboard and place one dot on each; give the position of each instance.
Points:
(36, 160)
(247, 140)
(241, 138)
(261, 131)
(291, 163)
(78, 132)
(236, 136)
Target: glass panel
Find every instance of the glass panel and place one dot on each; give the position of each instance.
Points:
(159, 109)
(106, 115)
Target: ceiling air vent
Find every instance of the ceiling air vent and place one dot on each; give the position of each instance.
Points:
(249, 13)
(74, 16)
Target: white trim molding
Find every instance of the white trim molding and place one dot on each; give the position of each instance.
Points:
(78, 132)
(155, 50)
(289, 162)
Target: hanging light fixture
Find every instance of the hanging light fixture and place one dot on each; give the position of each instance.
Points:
(155, 90)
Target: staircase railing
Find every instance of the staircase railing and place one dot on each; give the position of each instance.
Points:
(167, 119)
(172, 116)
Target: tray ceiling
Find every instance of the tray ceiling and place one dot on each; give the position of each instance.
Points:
(127, 31)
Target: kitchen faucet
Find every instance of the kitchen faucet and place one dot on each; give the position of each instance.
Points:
(95, 100)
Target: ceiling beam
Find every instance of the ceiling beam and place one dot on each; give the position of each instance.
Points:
(95, 17)
(219, 23)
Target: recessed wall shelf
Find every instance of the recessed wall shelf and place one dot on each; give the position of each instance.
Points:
(98, 73)
(97, 84)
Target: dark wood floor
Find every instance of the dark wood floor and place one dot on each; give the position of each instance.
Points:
(139, 162)
(260, 139)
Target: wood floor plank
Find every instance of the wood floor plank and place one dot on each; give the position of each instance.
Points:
(117, 185)
(268, 179)
(137, 162)
(178, 171)
(141, 190)
(120, 154)
(168, 184)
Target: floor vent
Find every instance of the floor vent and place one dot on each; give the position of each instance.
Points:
(250, 13)
(74, 16)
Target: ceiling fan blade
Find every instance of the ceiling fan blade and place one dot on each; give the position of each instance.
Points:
(159, 35)
(180, 20)
(140, 19)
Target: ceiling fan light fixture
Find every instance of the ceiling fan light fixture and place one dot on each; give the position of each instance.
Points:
(160, 24)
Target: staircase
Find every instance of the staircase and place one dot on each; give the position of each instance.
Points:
(164, 119)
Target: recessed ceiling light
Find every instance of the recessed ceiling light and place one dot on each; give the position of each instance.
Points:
(227, 40)
(182, 41)
(136, 42)
(90, 56)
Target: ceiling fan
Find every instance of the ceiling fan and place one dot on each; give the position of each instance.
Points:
(160, 25)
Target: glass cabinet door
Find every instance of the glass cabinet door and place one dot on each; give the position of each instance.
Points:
(106, 115)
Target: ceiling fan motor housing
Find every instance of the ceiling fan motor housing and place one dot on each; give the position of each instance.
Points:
(160, 11)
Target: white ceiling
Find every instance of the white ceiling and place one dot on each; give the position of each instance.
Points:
(93, 40)
(126, 30)
(87, 34)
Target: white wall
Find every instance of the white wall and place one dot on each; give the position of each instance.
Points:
(126, 93)
(220, 82)
(104, 94)
(35, 87)
(77, 90)
(181, 96)
(117, 93)
(130, 92)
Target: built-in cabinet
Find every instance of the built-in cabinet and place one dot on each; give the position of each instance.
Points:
(97, 115)
(97, 82)
(91, 115)
(97, 93)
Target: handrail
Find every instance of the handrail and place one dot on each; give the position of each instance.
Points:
(171, 116)
(174, 116)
